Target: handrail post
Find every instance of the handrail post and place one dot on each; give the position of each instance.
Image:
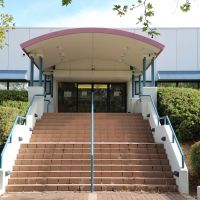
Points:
(92, 142)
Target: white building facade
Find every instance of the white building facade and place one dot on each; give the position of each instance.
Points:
(177, 65)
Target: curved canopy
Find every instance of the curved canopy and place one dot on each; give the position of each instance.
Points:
(98, 49)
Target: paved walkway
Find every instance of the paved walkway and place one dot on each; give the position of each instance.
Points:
(93, 196)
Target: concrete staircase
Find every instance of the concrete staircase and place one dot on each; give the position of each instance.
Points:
(58, 155)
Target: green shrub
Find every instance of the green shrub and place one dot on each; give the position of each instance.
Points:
(182, 105)
(7, 117)
(21, 105)
(13, 95)
(195, 158)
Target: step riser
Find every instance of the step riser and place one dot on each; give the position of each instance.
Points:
(87, 162)
(88, 128)
(96, 145)
(87, 156)
(87, 135)
(88, 140)
(84, 180)
(142, 174)
(87, 188)
(88, 167)
(153, 151)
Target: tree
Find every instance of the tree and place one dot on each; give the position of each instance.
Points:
(6, 23)
(148, 12)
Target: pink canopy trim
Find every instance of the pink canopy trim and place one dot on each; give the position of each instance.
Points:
(116, 32)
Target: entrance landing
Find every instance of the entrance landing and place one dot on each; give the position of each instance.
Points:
(94, 196)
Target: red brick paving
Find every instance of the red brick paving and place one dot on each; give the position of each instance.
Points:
(97, 196)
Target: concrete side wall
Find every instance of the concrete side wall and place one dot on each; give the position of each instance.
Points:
(21, 131)
(146, 107)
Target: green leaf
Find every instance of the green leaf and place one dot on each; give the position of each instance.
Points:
(66, 2)
(149, 14)
(125, 8)
(149, 6)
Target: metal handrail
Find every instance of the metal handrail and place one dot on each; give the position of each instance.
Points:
(92, 143)
(9, 139)
(154, 106)
(174, 139)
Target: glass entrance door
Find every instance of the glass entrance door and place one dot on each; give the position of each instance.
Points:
(67, 97)
(76, 97)
(84, 97)
(117, 94)
(100, 97)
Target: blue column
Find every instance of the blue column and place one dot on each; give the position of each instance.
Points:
(153, 72)
(45, 84)
(31, 70)
(144, 71)
(133, 85)
(40, 70)
(140, 84)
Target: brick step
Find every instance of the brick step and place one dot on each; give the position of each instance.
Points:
(86, 187)
(107, 122)
(85, 167)
(101, 128)
(88, 161)
(86, 180)
(96, 145)
(73, 137)
(88, 131)
(97, 115)
(124, 120)
(88, 136)
(87, 156)
(87, 150)
(132, 174)
(87, 140)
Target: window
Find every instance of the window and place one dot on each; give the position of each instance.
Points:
(3, 85)
(193, 85)
(166, 84)
(18, 85)
(184, 84)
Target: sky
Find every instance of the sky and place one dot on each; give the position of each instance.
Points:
(97, 13)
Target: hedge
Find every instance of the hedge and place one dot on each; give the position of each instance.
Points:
(195, 158)
(13, 95)
(7, 117)
(182, 105)
(12, 103)
(22, 106)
